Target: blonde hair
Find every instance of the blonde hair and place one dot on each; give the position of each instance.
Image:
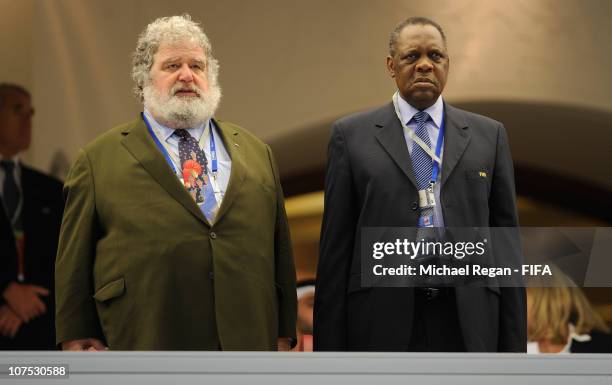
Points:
(553, 308)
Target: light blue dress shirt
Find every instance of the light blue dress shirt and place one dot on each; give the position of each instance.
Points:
(166, 137)
(436, 112)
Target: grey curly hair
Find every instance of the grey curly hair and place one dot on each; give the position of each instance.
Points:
(169, 29)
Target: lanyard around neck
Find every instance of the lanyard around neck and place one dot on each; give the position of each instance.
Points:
(162, 148)
(435, 156)
(213, 156)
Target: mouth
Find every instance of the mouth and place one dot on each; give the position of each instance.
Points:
(423, 82)
(186, 93)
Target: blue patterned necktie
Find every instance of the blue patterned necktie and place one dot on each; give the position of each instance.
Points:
(195, 174)
(422, 163)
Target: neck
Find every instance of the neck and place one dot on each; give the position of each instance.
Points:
(174, 124)
(420, 105)
(6, 153)
(161, 120)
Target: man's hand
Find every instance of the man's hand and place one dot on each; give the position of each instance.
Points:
(9, 322)
(86, 344)
(284, 344)
(24, 300)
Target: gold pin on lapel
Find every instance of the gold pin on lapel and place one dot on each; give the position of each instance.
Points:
(482, 174)
(236, 144)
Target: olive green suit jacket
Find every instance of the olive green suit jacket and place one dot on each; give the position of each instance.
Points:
(140, 267)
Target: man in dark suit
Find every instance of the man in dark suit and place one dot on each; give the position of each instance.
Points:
(30, 217)
(377, 175)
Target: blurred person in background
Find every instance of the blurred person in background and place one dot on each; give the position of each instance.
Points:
(560, 319)
(30, 216)
(305, 296)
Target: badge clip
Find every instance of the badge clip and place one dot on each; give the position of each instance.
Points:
(427, 198)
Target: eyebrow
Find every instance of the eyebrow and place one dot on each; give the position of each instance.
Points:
(179, 58)
(433, 46)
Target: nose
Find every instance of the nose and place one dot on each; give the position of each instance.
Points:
(424, 65)
(185, 74)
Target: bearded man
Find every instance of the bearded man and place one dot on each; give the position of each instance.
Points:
(143, 264)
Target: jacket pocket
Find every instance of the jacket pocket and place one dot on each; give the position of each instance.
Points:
(110, 290)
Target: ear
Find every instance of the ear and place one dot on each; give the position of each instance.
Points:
(391, 66)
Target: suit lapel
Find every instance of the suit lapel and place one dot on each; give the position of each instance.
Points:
(233, 144)
(391, 137)
(456, 139)
(139, 143)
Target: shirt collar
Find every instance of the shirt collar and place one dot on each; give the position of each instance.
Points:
(435, 111)
(16, 172)
(167, 132)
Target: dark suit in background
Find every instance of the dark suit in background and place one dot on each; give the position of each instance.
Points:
(42, 215)
(34, 203)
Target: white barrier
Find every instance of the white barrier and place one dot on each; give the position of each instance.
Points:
(177, 368)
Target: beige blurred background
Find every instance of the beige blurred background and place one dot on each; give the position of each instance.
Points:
(290, 68)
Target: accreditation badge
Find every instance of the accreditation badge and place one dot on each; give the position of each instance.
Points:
(426, 221)
(427, 198)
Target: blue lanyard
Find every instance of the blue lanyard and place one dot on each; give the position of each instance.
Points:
(436, 165)
(213, 150)
(158, 143)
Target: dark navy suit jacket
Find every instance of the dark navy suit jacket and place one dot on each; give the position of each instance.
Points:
(369, 183)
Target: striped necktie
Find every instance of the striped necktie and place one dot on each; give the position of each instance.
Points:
(422, 165)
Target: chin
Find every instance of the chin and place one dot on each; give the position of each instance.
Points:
(422, 103)
(425, 98)
(24, 145)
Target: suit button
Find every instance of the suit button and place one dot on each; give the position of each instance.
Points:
(415, 206)
(213, 235)
(211, 275)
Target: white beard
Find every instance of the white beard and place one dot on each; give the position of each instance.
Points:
(182, 112)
